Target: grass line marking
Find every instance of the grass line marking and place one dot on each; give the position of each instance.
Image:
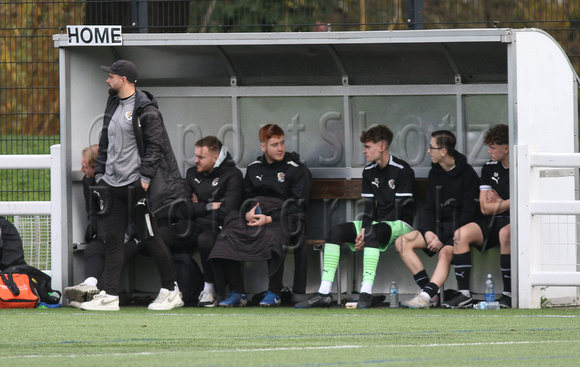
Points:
(173, 352)
(478, 343)
(277, 349)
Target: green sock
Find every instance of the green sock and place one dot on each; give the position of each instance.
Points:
(331, 256)
(370, 262)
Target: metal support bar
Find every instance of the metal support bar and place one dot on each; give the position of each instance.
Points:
(139, 14)
(415, 14)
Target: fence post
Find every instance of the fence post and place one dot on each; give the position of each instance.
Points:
(139, 14)
(58, 246)
(415, 14)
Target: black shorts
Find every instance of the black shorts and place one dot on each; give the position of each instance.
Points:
(445, 231)
(490, 230)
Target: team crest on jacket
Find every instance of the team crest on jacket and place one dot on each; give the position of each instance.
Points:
(281, 176)
(215, 181)
(392, 183)
(128, 115)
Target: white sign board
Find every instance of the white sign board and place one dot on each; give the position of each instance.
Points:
(99, 35)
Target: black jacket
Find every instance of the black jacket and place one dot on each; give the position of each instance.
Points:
(224, 184)
(158, 162)
(452, 196)
(92, 205)
(288, 180)
(282, 189)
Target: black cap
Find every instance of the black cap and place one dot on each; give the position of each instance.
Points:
(123, 68)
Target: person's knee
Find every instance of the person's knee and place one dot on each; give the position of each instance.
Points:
(505, 239)
(460, 245)
(407, 243)
(335, 236)
(205, 242)
(399, 244)
(446, 253)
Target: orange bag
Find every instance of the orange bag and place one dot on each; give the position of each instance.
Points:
(17, 291)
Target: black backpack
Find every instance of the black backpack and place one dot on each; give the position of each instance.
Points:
(189, 278)
(42, 282)
(11, 250)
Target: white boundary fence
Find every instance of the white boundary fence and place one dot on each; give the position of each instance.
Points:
(51, 208)
(530, 207)
(533, 274)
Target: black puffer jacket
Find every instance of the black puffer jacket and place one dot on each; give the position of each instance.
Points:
(158, 161)
(224, 184)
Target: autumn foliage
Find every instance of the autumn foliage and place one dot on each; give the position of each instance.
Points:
(29, 75)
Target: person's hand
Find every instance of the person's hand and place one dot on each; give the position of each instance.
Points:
(260, 220)
(194, 198)
(433, 242)
(145, 185)
(215, 205)
(257, 219)
(359, 242)
(493, 196)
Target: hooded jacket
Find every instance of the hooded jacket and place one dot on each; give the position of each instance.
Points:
(158, 163)
(452, 196)
(224, 184)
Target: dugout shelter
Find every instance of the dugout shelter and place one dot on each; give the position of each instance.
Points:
(323, 89)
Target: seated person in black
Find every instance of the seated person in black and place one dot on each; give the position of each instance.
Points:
(214, 188)
(276, 190)
(494, 229)
(451, 202)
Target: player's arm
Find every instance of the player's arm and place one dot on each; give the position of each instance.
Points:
(406, 204)
(491, 203)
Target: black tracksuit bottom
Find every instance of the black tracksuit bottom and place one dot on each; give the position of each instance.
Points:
(120, 209)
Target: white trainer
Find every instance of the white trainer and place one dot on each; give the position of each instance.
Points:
(102, 302)
(81, 293)
(75, 304)
(166, 300)
(207, 299)
(421, 300)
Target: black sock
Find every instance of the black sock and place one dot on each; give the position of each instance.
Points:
(432, 289)
(422, 279)
(506, 272)
(462, 270)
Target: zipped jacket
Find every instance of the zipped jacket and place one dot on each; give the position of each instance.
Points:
(223, 184)
(158, 163)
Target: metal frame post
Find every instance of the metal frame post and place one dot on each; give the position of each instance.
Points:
(415, 14)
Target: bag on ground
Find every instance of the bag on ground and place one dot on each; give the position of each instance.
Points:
(189, 278)
(17, 291)
(41, 282)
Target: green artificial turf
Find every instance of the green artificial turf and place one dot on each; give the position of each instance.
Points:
(284, 336)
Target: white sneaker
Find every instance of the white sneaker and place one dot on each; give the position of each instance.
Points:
(166, 300)
(434, 301)
(75, 304)
(102, 302)
(207, 299)
(421, 300)
(81, 293)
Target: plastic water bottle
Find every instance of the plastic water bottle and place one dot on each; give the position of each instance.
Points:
(394, 295)
(489, 289)
(486, 305)
(480, 306)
